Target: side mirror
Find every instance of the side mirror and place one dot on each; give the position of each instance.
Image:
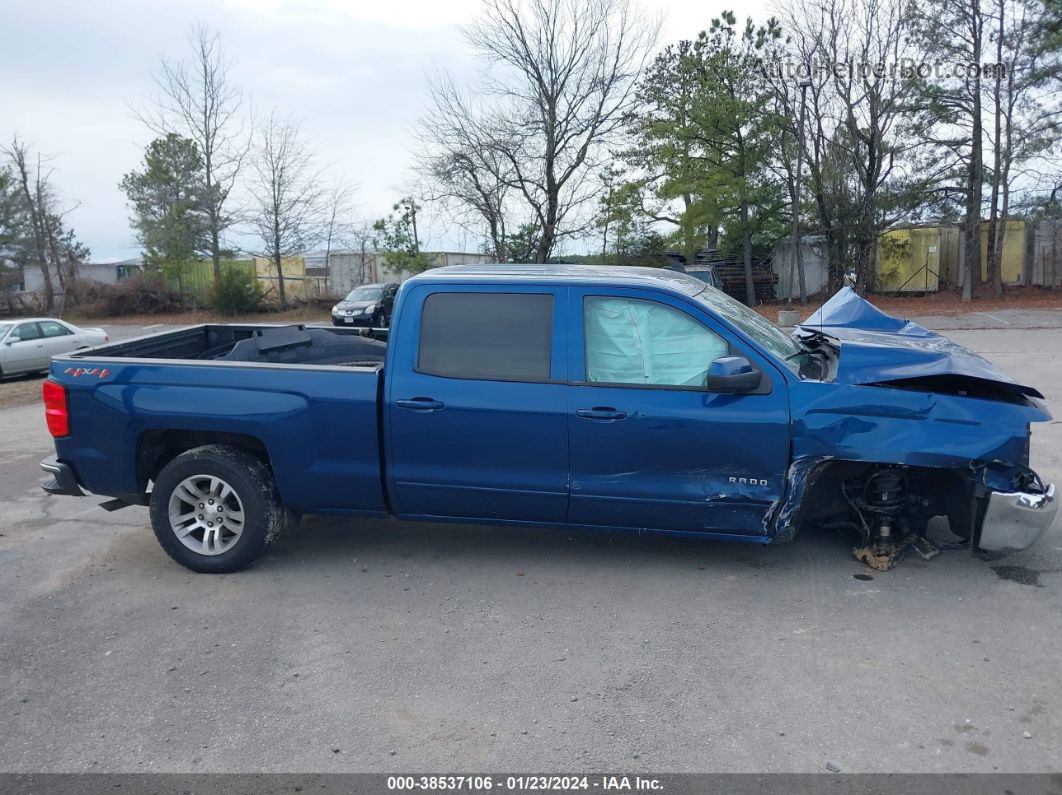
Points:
(733, 374)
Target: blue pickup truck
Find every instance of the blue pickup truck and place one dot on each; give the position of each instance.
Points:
(596, 397)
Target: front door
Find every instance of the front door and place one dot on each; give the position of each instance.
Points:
(650, 446)
(475, 401)
(25, 349)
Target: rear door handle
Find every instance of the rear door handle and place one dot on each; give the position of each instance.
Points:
(601, 413)
(420, 404)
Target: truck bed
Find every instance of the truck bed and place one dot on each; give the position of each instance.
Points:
(306, 398)
(295, 344)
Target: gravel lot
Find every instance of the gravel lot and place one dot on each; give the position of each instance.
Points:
(385, 646)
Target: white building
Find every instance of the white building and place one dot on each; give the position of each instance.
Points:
(101, 272)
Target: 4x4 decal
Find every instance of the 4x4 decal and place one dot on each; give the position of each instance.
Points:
(77, 372)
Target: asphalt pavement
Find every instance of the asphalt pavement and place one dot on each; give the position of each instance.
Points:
(367, 645)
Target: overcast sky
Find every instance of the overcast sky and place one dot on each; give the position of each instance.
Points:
(352, 72)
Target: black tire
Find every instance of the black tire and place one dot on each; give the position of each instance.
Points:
(251, 482)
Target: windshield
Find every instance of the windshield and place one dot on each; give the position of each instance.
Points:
(4, 329)
(754, 325)
(367, 292)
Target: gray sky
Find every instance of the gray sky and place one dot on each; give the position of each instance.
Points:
(353, 73)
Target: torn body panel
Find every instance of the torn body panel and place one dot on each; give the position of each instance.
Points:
(910, 425)
(877, 348)
(954, 451)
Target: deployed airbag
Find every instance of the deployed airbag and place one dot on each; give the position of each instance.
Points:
(644, 342)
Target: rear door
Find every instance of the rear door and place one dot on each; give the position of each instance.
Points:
(476, 421)
(650, 446)
(58, 337)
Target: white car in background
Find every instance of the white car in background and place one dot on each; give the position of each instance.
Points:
(28, 344)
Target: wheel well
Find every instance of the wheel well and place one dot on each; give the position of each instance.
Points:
(155, 449)
(941, 492)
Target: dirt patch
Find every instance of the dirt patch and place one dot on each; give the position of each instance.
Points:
(20, 391)
(946, 303)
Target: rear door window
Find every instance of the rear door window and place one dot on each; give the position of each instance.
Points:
(53, 329)
(490, 336)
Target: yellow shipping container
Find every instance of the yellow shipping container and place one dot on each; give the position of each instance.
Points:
(294, 270)
(909, 260)
(1013, 252)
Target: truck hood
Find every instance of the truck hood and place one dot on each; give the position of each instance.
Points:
(876, 348)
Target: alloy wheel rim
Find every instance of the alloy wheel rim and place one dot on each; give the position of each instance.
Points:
(206, 514)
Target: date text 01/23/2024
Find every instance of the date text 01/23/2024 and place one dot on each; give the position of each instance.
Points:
(523, 783)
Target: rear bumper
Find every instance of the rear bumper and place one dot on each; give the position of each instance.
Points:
(62, 481)
(1015, 520)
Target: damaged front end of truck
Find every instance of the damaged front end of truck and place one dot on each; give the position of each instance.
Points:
(905, 426)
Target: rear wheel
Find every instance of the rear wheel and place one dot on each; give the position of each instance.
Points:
(215, 509)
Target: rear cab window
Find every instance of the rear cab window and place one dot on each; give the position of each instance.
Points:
(487, 335)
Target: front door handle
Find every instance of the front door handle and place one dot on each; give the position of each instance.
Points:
(601, 413)
(420, 404)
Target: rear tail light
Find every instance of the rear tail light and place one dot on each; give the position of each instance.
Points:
(55, 411)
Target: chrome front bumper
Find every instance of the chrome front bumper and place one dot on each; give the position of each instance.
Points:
(1015, 521)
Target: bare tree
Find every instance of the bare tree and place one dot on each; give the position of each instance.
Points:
(361, 237)
(1025, 119)
(42, 237)
(32, 188)
(289, 203)
(464, 172)
(829, 182)
(873, 98)
(951, 33)
(198, 100)
(560, 83)
(338, 226)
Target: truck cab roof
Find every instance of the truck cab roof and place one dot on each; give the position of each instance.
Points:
(616, 275)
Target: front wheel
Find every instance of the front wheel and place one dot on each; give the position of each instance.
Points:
(216, 509)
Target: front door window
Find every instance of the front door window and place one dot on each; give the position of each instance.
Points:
(631, 341)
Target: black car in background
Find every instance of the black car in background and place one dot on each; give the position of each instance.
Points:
(366, 305)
